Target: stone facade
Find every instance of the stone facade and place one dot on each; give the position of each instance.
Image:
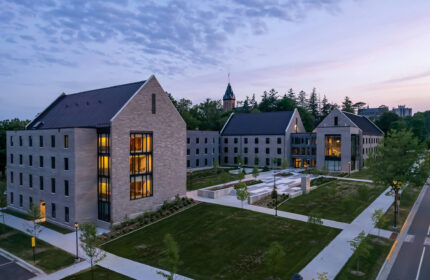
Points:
(202, 148)
(265, 148)
(36, 166)
(169, 151)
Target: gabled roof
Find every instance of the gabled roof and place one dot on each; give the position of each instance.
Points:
(270, 123)
(366, 125)
(229, 93)
(94, 108)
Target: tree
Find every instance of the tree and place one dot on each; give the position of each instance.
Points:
(14, 124)
(88, 240)
(241, 192)
(377, 218)
(307, 119)
(404, 161)
(268, 101)
(386, 120)
(302, 100)
(347, 105)
(360, 246)
(325, 107)
(291, 95)
(255, 172)
(285, 104)
(34, 214)
(313, 104)
(358, 105)
(284, 164)
(274, 258)
(216, 166)
(171, 260)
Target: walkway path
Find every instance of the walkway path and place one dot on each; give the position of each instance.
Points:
(67, 242)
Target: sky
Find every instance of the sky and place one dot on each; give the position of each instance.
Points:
(377, 52)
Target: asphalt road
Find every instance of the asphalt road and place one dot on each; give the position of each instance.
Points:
(10, 270)
(413, 261)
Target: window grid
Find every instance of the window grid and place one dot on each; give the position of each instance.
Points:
(141, 181)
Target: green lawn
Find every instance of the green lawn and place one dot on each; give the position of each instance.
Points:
(218, 242)
(361, 174)
(48, 257)
(209, 177)
(407, 200)
(99, 273)
(380, 247)
(339, 200)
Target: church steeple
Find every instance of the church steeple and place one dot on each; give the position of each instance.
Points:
(229, 99)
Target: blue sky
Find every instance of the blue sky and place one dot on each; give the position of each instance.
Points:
(372, 51)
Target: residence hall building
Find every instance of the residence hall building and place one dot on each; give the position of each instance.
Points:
(260, 139)
(202, 148)
(99, 155)
(345, 140)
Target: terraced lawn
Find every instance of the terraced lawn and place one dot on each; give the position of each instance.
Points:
(209, 177)
(218, 242)
(339, 200)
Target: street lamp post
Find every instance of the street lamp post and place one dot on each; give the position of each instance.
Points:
(276, 194)
(76, 229)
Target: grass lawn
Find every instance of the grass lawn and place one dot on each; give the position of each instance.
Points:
(339, 200)
(361, 174)
(99, 273)
(218, 242)
(48, 257)
(209, 177)
(380, 247)
(407, 200)
(45, 224)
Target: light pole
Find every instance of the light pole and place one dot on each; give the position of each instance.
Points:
(275, 190)
(76, 229)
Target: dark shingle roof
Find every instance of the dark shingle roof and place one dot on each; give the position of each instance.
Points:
(271, 123)
(229, 93)
(366, 125)
(93, 108)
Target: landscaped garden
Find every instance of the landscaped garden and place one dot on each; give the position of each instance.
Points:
(48, 257)
(361, 174)
(339, 200)
(218, 242)
(209, 177)
(369, 264)
(407, 200)
(98, 273)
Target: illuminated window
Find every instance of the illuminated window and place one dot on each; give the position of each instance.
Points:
(103, 175)
(333, 146)
(66, 141)
(140, 165)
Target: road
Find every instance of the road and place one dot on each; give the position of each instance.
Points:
(413, 261)
(10, 270)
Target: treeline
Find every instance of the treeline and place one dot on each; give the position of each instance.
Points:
(419, 124)
(209, 114)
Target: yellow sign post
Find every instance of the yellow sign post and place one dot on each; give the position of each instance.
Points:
(33, 245)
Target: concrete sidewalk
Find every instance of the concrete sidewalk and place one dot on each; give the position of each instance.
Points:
(333, 257)
(67, 242)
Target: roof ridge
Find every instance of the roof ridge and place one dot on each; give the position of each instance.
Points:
(87, 91)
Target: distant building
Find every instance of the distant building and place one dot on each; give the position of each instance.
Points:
(372, 113)
(202, 148)
(229, 99)
(402, 111)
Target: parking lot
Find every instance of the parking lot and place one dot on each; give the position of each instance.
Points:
(10, 270)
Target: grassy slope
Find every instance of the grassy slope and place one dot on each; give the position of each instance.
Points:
(209, 177)
(338, 200)
(371, 264)
(218, 242)
(99, 273)
(48, 257)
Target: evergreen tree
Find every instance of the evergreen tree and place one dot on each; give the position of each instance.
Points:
(302, 100)
(313, 104)
(253, 103)
(325, 107)
(291, 94)
(268, 101)
(347, 105)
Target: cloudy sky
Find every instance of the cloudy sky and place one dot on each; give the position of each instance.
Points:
(373, 51)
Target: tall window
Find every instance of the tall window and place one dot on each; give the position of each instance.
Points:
(30, 141)
(41, 183)
(11, 177)
(66, 214)
(41, 141)
(20, 179)
(66, 164)
(20, 140)
(53, 185)
(333, 146)
(30, 180)
(11, 140)
(53, 162)
(11, 197)
(140, 165)
(41, 161)
(66, 141)
(30, 160)
(20, 200)
(53, 210)
(336, 121)
(153, 103)
(53, 141)
(66, 187)
(103, 175)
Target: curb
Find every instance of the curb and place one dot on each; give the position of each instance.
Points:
(391, 258)
(22, 263)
